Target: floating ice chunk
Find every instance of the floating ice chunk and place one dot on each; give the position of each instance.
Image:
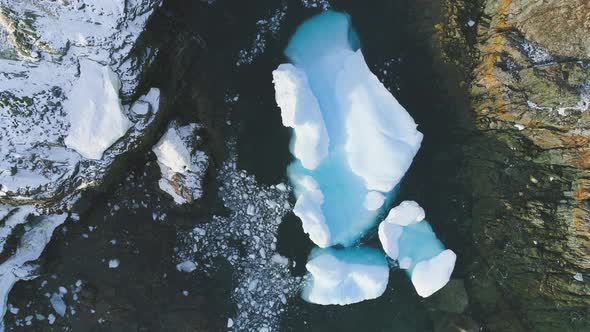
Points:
(114, 263)
(300, 110)
(579, 277)
(408, 212)
(431, 275)
(416, 248)
(371, 140)
(58, 304)
(94, 110)
(186, 266)
(374, 200)
(345, 276)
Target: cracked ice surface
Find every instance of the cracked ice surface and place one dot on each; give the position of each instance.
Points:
(263, 277)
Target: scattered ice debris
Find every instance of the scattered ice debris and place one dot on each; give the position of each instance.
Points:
(186, 266)
(353, 141)
(114, 263)
(579, 277)
(265, 28)
(410, 240)
(181, 163)
(264, 282)
(58, 304)
(95, 112)
(345, 276)
(51, 319)
(323, 4)
(17, 267)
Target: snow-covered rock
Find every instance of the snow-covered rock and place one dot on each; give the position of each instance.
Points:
(345, 276)
(181, 163)
(64, 68)
(351, 136)
(19, 265)
(95, 112)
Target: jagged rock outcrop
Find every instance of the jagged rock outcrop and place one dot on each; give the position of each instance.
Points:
(529, 158)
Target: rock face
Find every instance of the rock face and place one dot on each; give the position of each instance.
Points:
(529, 161)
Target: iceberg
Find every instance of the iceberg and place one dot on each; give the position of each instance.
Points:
(406, 237)
(345, 276)
(352, 141)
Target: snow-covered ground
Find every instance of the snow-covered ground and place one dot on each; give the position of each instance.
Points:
(66, 74)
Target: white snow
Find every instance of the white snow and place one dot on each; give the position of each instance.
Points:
(345, 276)
(308, 208)
(406, 213)
(30, 248)
(431, 275)
(94, 110)
(300, 110)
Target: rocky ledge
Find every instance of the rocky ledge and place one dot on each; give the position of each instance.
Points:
(528, 159)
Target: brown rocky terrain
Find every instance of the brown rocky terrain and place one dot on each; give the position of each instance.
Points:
(528, 161)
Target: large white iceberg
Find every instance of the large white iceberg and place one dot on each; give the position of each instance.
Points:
(345, 276)
(351, 136)
(406, 237)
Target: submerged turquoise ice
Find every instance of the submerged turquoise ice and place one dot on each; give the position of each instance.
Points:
(352, 140)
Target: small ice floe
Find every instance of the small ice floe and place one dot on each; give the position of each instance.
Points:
(58, 304)
(579, 277)
(114, 263)
(186, 266)
(470, 23)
